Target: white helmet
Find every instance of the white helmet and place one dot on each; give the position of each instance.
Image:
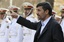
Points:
(54, 12)
(27, 5)
(3, 10)
(14, 7)
(61, 8)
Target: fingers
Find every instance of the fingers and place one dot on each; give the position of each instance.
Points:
(13, 13)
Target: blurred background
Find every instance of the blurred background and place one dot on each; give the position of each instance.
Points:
(55, 3)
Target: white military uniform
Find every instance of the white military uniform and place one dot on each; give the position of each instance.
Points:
(4, 30)
(62, 25)
(62, 22)
(15, 29)
(15, 32)
(29, 33)
(4, 26)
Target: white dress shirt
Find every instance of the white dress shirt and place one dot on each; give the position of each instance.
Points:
(44, 23)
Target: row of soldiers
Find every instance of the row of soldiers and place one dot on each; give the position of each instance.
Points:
(10, 31)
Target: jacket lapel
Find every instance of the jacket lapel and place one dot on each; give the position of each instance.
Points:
(39, 27)
(38, 31)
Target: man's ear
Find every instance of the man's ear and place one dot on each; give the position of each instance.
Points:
(47, 12)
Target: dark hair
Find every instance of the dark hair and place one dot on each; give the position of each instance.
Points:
(45, 6)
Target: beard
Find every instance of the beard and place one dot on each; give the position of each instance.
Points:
(41, 17)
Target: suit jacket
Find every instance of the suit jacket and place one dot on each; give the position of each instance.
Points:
(51, 33)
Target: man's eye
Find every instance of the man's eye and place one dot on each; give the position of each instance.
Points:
(38, 10)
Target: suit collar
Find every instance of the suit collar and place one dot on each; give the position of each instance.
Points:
(46, 21)
(39, 27)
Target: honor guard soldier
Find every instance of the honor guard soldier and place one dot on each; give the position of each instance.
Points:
(62, 18)
(15, 29)
(28, 14)
(4, 26)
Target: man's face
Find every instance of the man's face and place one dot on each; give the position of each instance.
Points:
(2, 15)
(41, 13)
(62, 14)
(27, 11)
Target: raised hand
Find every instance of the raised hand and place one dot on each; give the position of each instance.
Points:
(13, 14)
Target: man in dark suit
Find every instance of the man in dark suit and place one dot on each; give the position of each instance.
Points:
(48, 30)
